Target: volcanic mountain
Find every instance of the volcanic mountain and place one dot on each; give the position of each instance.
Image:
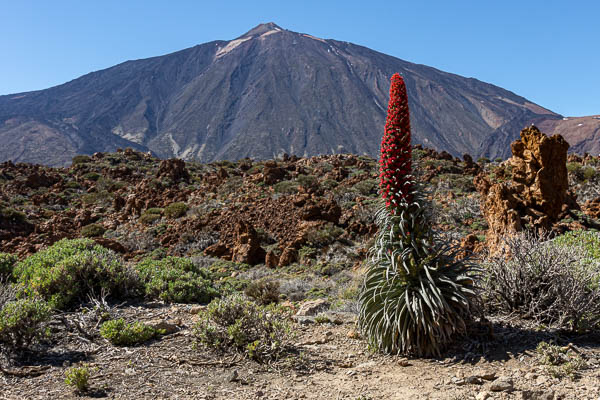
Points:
(268, 92)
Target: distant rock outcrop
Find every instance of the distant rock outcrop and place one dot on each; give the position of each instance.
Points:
(536, 195)
(173, 169)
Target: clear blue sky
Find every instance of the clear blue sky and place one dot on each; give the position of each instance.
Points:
(545, 50)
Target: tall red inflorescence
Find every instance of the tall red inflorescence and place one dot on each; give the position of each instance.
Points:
(395, 162)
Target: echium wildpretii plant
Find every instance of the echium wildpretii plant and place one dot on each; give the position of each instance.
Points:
(418, 294)
(395, 170)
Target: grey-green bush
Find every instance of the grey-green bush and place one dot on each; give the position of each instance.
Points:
(7, 263)
(545, 281)
(176, 279)
(237, 324)
(121, 333)
(176, 210)
(22, 322)
(70, 270)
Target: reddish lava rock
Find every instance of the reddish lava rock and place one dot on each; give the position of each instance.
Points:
(173, 169)
(538, 192)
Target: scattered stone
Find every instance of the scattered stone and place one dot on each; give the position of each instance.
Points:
(288, 256)
(535, 395)
(403, 362)
(483, 396)
(168, 327)
(366, 365)
(471, 167)
(304, 320)
(111, 244)
(592, 208)
(486, 375)
(471, 244)
(345, 364)
(313, 307)
(502, 384)
(541, 380)
(353, 334)
(458, 381)
(196, 309)
(271, 260)
(272, 173)
(233, 377)
(530, 376)
(217, 250)
(473, 380)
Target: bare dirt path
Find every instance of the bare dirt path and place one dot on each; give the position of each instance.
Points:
(327, 362)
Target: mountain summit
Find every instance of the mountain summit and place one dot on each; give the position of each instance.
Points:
(267, 92)
(261, 29)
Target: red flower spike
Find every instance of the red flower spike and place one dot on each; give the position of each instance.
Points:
(395, 162)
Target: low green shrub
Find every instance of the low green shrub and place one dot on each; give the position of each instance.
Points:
(589, 172)
(306, 253)
(148, 217)
(176, 210)
(12, 215)
(78, 378)
(587, 241)
(92, 176)
(576, 169)
(286, 187)
(366, 187)
(92, 230)
(7, 263)
(121, 333)
(70, 270)
(307, 180)
(22, 322)
(176, 279)
(329, 184)
(81, 159)
(329, 269)
(322, 319)
(100, 198)
(263, 291)
(236, 324)
(72, 185)
(323, 236)
(560, 361)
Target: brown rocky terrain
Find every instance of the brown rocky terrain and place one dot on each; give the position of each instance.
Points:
(306, 223)
(246, 211)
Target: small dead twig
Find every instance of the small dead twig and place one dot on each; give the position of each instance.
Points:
(221, 363)
(25, 373)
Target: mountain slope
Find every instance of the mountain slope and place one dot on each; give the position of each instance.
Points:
(582, 133)
(267, 92)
